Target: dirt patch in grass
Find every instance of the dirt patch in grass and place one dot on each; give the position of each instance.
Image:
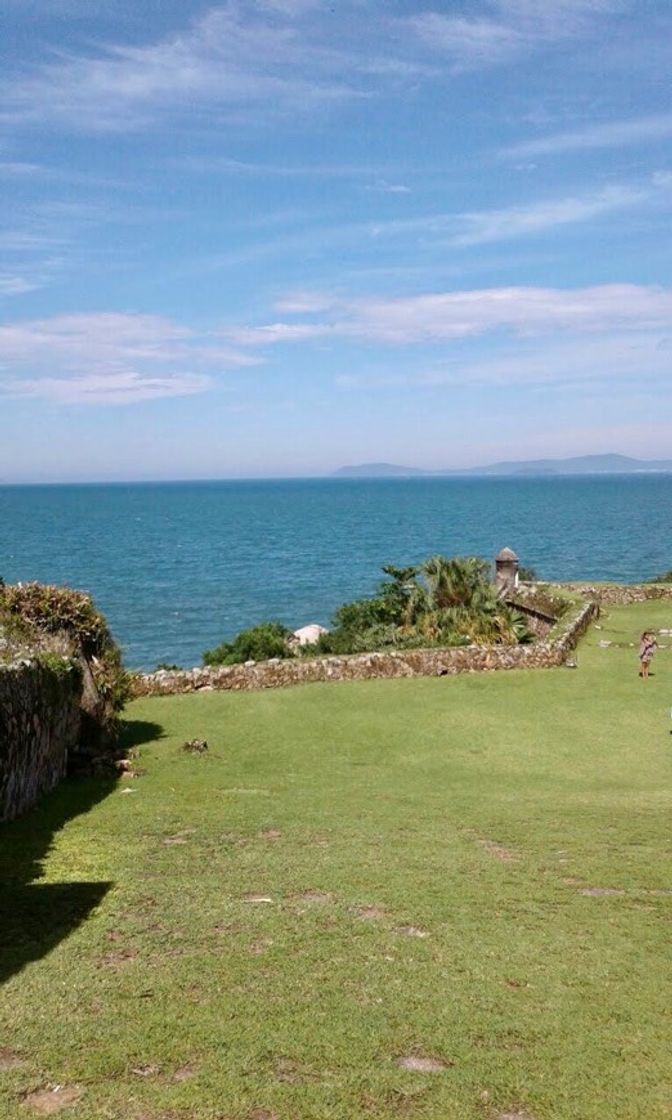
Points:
(423, 1064)
(410, 931)
(261, 946)
(184, 1073)
(270, 834)
(9, 1059)
(117, 958)
(601, 892)
(498, 851)
(47, 1102)
(368, 913)
(514, 1116)
(286, 1069)
(320, 898)
(397, 1100)
(262, 1114)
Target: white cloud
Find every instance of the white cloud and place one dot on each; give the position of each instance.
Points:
(517, 221)
(110, 357)
(390, 188)
(304, 303)
(611, 134)
(100, 389)
(229, 60)
(506, 29)
(469, 41)
(11, 168)
(615, 357)
(17, 285)
(275, 332)
(521, 312)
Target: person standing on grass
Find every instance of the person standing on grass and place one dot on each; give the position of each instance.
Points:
(647, 648)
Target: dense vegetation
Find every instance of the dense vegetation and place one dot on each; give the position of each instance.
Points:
(442, 602)
(259, 643)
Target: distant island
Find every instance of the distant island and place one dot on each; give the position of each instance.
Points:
(582, 464)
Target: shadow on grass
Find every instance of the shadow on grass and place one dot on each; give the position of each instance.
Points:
(35, 917)
(135, 732)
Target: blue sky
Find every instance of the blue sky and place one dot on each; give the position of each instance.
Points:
(278, 236)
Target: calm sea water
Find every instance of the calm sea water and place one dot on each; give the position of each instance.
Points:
(177, 567)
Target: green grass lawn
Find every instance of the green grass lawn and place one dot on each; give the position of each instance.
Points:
(473, 871)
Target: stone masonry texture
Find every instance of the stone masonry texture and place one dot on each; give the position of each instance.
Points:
(39, 725)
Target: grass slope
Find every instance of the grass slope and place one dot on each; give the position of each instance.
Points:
(425, 846)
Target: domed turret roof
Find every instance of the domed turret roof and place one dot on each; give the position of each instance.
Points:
(507, 554)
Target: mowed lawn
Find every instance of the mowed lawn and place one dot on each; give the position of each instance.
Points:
(469, 872)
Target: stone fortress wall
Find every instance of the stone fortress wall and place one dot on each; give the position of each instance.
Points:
(40, 720)
(552, 648)
(279, 673)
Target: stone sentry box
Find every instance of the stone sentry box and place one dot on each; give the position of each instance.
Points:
(506, 571)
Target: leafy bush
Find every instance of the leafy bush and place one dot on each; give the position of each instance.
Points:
(666, 577)
(258, 643)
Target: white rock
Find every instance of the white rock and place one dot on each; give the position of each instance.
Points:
(308, 635)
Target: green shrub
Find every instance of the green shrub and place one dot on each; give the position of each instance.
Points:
(258, 643)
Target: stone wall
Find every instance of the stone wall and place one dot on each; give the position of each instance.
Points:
(621, 594)
(370, 666)
(39, 724)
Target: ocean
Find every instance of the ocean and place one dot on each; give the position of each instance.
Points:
(178, 567)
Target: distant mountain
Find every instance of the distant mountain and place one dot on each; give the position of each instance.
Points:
(582, 464)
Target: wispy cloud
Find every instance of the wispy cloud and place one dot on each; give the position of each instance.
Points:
(458, 230)
(209, 165)
(383, 187)
(17, 285)
(12, 168)
(231, 59)
(110, 358)
(505, 29)
(303, 303)
(616, 359)
(611, 134)
(122, 387)
(520, 221)
(522, 312)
